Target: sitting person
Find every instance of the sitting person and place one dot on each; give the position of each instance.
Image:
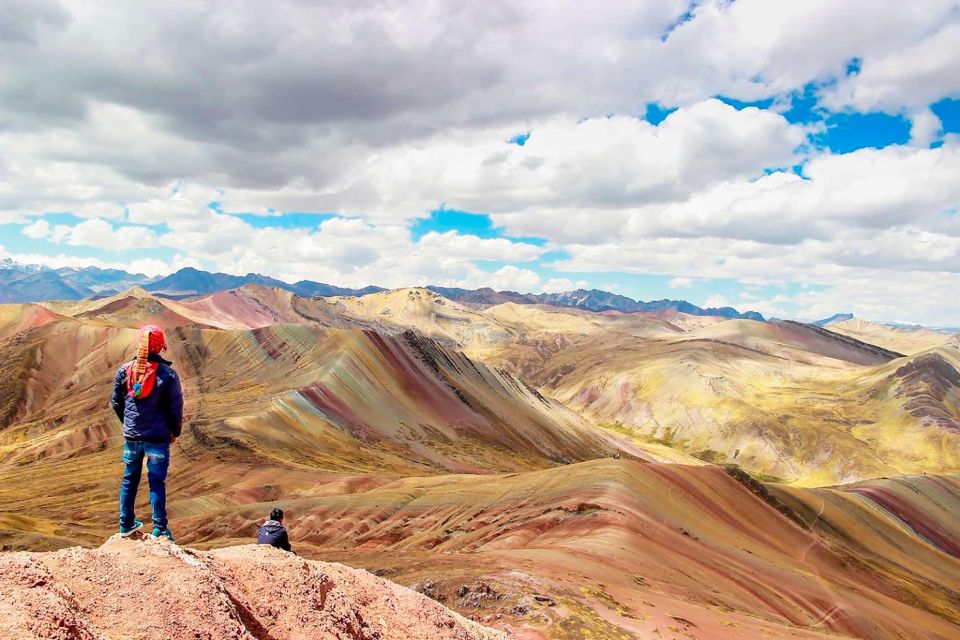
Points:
(273, 533)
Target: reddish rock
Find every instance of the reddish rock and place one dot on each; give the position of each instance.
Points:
(153, 589)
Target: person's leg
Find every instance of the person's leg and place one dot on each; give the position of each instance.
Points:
(133, 467)
(158, 460)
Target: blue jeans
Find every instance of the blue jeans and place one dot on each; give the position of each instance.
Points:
(158, 460)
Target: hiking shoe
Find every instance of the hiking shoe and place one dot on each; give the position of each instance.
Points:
(162, 533)
(126, 531)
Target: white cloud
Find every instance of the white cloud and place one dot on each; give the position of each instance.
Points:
(557, 285)
(771, 46)
(910, 77)
(612, 163)
(92, 232)
(773, 307)
(925, 127)
(717, 300)
(914, 297)
(511, 278)
(179, 202)
(37, 230)
(873, 213)
(886, 209)
(148, 266)
(680, 282)
(98, 233)
(342, 251)
(210, 103)
(60, 232)
(453, 244)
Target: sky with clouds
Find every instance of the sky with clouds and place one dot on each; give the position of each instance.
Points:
(796, 158)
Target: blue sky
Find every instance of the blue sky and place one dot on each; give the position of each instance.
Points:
(552, 153)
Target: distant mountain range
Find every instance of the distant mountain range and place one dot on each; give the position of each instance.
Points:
(29, 283)
(844, 317)
(589, 299)
(191, 282)
(30, 286)
(32, 283)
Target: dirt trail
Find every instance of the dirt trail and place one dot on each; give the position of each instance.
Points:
(148, 588)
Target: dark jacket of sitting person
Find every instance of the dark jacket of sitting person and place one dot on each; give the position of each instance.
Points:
(273, 533)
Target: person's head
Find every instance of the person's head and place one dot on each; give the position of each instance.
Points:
(151, 337)
(277, 514)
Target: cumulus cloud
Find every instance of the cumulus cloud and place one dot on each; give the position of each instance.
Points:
(511, 278)
(103, 235)
(776, 306)
(592, 164)
(37, 230)
(680, 282)
(346, 251)
(772, 46)
(913, 297)
(557, 285)
(886, 209)
(925, 127)
(453, 244)
(249, 99)
(910, 77)
(93, 232)
(717, 300)
(150, 267)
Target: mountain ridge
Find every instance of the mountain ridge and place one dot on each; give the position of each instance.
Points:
(837, 317)
(651, 378)
(76, 284)
(595, 300)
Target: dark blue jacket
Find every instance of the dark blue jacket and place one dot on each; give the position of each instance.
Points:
(158, 416)
(273, 533)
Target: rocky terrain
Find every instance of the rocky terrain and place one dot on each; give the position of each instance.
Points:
(144, 588)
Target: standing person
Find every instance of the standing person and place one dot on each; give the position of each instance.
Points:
(273, 533)
(148, 399)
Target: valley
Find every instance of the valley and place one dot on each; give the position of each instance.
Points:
(550, 471)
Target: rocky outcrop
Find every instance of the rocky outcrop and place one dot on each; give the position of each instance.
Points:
(924, 383)
(153, 589)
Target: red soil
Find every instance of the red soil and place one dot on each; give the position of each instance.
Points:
(152, 589)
